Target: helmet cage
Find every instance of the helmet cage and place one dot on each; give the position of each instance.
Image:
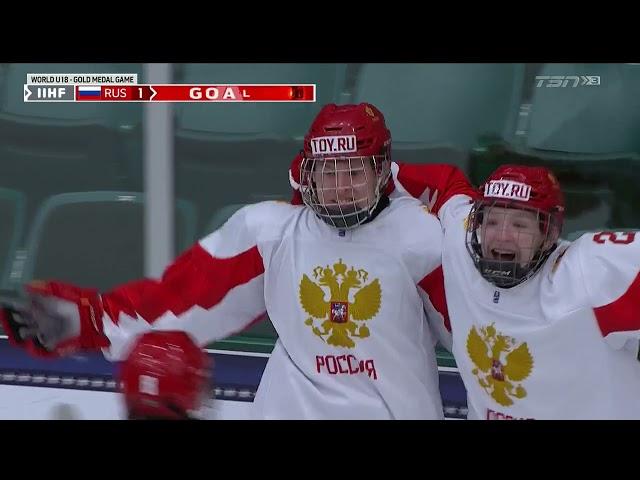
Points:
(319, 179)
(506, 272)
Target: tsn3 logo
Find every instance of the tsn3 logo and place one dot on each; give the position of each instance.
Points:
(562, 81)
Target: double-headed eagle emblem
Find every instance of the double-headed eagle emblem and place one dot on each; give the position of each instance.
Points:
(328, 301)
(499, 363)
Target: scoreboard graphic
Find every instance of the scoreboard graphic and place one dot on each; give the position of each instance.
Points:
(92, 87)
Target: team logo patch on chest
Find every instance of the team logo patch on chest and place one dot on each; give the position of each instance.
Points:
(499, 363)
(341, 302)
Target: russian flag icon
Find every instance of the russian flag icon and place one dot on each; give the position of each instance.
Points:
(89, 91)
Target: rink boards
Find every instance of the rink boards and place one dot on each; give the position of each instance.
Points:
(37, 388)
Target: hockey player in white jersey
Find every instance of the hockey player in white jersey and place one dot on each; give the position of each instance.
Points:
(542, 328)
(549, 329)
(545, 329)
(342, 277)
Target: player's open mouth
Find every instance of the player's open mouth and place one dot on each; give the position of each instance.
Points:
(503, 255)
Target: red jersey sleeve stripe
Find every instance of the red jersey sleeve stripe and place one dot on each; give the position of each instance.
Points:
(433, 285)
(195, 278)
(623, 314)
(442, 181)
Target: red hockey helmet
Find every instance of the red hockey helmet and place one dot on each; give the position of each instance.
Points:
(540, 189)
(344, 140)
(533, 189)
(364, 121)
(166, 375)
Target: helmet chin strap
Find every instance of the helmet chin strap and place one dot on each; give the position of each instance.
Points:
(509, 274)
(345, 220)
(360, 217)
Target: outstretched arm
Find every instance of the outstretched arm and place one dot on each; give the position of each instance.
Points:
(211, 291)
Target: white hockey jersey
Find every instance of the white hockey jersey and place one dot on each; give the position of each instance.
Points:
(563, 344)
(353, 341)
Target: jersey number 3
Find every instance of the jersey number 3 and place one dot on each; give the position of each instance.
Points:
(621, 238)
